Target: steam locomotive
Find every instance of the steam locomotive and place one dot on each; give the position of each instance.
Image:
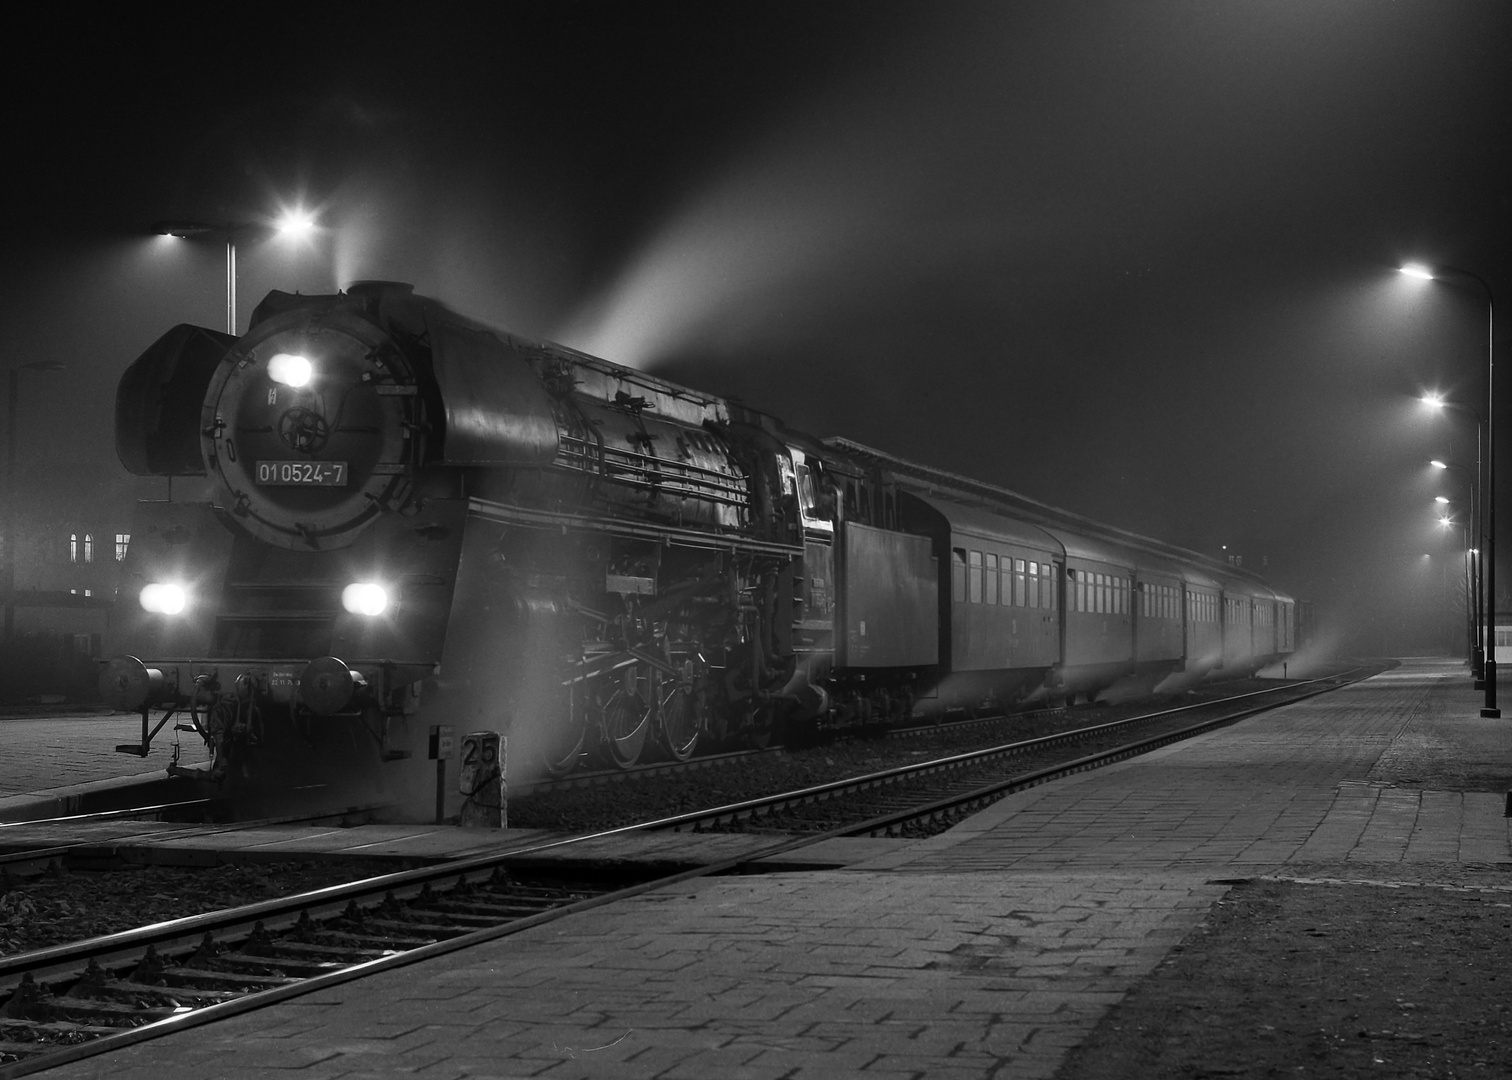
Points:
(404, 522)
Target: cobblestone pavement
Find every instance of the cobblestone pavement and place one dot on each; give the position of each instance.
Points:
(46, 752)
(987, 951)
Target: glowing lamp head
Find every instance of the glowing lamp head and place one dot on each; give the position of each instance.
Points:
(163, 598)
(290, 369)
(365, 598)
(1433, 401)
(1442, 500)
(295, 223)
(1437, 464)
(1416, 270)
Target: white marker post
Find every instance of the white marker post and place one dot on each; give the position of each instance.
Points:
(481, 781)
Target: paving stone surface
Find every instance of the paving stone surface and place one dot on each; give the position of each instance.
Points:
(47, 752)
(985, 952)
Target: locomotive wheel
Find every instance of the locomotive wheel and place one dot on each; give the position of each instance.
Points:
(562, 748)
(761, 727)
(680, 726)
(627, 723)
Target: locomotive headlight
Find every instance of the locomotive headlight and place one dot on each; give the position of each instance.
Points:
(365, 598)
(291, 369)
(164, 598)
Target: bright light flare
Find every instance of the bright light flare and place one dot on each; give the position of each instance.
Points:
(1433, 401)
(290, 369)
(365, 598)
(163, 598)
(295, 223)
(1437, 464)
(1446, 522)
(1417, 270)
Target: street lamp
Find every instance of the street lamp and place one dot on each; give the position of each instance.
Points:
(1490, 710)
(294, 223)
(1446, 522)
(1472, 556)
(10, 486)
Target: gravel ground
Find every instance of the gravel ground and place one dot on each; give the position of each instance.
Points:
(64, 906)
(1326, 977)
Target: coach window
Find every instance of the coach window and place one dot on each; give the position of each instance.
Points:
(958, 575)
(1018, 583)
(990, 580)
(974, 564)
(1034, 585)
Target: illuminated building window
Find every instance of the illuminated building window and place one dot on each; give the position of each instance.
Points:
(123, 541)
(88, 592)
(73, 547)
(89, 547)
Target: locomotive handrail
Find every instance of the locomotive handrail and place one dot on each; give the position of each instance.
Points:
(680, 537)
(633, 469)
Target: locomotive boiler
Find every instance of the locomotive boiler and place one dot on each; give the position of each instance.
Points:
(394, 521)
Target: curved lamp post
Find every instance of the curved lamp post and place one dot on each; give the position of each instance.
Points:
(1446, 521)
(1489, 562)
(10, 486)
(1472, 557)
(294, 223)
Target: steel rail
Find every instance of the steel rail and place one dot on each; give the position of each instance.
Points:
(750, 807)
(64, 960)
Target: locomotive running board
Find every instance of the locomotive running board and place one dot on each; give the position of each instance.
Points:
(542, 519)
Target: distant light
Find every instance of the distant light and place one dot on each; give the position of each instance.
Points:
(1415, 270)
(1446, 522)
(1434, 401)
(1437, 464)
(1440, 499)
(183, 229)
(163, 598)
(290, 369)
(364, 598)
(295, 223)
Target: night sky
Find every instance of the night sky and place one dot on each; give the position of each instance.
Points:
(1135, 259)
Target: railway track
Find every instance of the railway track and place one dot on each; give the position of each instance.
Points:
(943, 789)
(85, 998)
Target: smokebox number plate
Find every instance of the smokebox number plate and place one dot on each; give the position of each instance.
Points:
(302, 473)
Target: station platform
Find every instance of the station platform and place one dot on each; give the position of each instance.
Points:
(989, 950)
